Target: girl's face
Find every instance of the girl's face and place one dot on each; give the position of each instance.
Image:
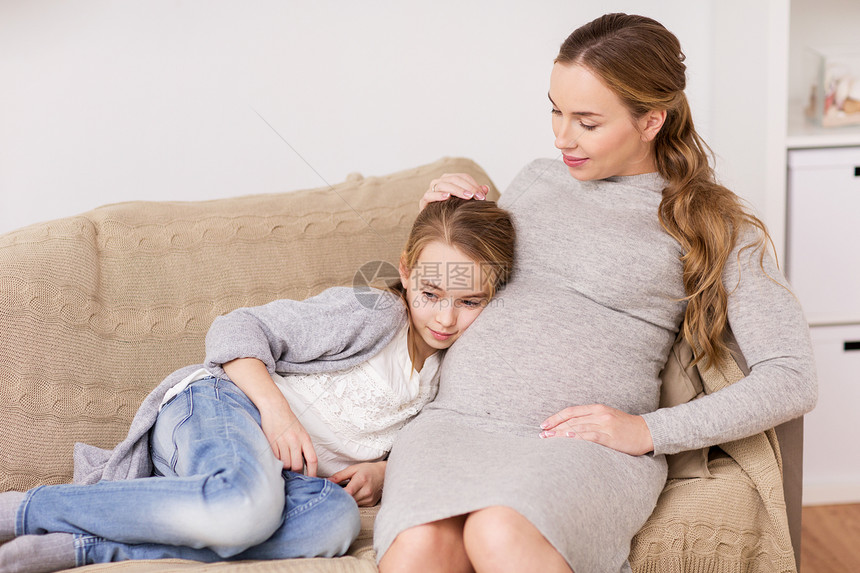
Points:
(445, 291)
(594, 131)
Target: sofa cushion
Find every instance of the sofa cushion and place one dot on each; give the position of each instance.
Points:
(98, 308)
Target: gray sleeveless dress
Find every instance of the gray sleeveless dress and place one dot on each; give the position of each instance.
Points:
(589, 317)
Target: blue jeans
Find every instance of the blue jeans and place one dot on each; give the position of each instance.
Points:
(219, 494)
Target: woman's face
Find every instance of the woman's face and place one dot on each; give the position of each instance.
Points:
(594, 131)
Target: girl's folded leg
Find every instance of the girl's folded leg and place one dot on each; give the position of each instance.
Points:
(320, 520)
(222, 487)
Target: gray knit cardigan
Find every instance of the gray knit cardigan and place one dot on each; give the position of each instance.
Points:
(337, 329)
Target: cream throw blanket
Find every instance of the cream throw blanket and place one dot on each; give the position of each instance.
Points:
(745, 497)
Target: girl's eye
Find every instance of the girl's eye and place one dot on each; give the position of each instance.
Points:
(556, 111)
(587, 127)
(471, 303)
(429, 295)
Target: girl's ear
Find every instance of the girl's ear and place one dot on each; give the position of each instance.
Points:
(404, 271)
(651, 123)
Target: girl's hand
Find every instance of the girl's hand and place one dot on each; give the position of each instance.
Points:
(459, 184)
(602, 425)
(365, 481)
(289, 440)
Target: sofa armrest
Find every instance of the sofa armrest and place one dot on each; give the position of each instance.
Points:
(790, 436)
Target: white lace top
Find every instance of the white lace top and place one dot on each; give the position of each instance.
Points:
(352, 415)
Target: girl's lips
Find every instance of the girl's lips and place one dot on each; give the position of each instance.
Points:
(440, 335)
(571, 161)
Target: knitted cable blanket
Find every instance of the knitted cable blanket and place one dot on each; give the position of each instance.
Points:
(743, 526)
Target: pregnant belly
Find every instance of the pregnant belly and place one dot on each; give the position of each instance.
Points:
(520, 363)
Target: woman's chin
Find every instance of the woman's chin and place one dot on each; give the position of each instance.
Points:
(579, 174)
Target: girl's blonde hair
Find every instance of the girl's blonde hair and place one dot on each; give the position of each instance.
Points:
(642, 62)
(481, 230)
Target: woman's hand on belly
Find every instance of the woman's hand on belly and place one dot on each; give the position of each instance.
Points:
(602, 425)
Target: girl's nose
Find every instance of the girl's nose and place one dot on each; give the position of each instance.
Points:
(447, 315)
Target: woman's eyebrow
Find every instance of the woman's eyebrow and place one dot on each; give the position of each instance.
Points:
(579, 113)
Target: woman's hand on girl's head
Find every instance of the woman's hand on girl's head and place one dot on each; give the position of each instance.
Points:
(602, 425)
(365, 481)
(458, 184)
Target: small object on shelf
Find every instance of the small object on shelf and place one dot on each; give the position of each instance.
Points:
(834, 99)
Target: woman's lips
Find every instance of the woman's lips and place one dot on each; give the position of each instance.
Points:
(571, 161)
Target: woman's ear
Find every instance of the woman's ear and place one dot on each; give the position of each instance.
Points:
(651, 123)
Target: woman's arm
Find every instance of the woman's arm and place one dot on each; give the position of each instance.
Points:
(773, 335)
(289, 440)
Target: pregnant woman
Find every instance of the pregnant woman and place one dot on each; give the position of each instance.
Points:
(544, 449)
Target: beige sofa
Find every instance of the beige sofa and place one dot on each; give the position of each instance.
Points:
(96, 309)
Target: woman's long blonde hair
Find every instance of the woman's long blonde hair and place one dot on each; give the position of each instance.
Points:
(642, 62)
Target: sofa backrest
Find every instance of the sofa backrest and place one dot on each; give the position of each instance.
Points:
(96, 309)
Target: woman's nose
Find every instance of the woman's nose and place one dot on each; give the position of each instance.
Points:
(566, 136)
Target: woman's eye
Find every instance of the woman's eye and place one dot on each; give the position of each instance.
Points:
(556, 111)
(429, 295)
(471, 303)
(587, 127)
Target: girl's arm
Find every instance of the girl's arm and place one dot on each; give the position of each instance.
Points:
(289, 440)
(339, 325)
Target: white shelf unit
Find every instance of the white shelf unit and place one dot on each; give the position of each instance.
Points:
(822, 261)
(804, 134)
(756, 71)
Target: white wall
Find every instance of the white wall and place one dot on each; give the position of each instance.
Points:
(107, 101)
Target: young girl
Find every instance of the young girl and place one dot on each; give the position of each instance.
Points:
(219, 449)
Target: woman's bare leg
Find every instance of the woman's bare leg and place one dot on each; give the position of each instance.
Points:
(431, 547)
(499, 539)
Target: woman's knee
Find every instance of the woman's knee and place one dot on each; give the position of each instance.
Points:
(493, 527)
(499, 538)
(435, 546)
